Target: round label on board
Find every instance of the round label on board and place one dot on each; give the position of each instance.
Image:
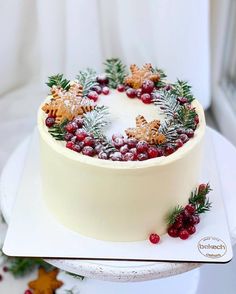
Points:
(212, 247)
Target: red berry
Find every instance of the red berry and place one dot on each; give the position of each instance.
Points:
(129, 156)
(102, 79)
(70, 145)
(93, 95)
(81, 134)
(202, 188)
(179, 143)
(89, 141)
(132, 142)
(153, 152)
(172, 232)
(71, 127)
(135, 153)
(142, 146)
(102, 155)
(182, 100)
(124, 149)
(116, 156)
(76, 148)
(184, 138)
(196, 119)
(142, 156)
(146, 98)
(190, 208)
(28, 292)
(154, 238)
(114, 136)
(180, 131)
(50, 121)
(169, 150)
(1, 278)
(168, 87)
(196, 219)
(131, 93)
(189, 220)
(191, 229)
(105, 90)
(118, 142)
(97, 89)
(147, 86)
(139, 93)
(5, 269)
(88, 150)
(120, 88)
(183, 234)
(68, 136)
(79, 121)
(189, 133)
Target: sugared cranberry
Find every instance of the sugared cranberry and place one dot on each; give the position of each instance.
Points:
(182, 100)
(93, 95)
(196, 119)
(103, 155)
(191, 229)
(169, 149)
(73, 139)
(118, 142)
(50, 121)
(116, 156)
(121, 88)
(68, 136)
(132, 142)
(98, 148)
(70, 145)
(81, 134)
(183, 234)
(179, 143)
(154, 238)
(129, 156)
(28, 292)
(89, 141)
(71, 127)
(184, 138)
(153, 152)
(196, 219)
(168, 87)
(160, 151)
(114, 136)
(79, 121)
(172, 232)
(146, 98)
(102, 79)
(142, 146)
(190, 208)
(202, 188)
(105, 90)
(139, 93)
(135, 153)
(189, 133)
(124, 149)
(180, 131)
(76, 148)
(131, 93)
(147, 86)
(81, 144)
(88, 150)
(142, 156)
(97, 89)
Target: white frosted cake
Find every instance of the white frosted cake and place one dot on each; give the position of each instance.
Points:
(121, 154)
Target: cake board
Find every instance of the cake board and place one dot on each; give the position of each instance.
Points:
(173, 266)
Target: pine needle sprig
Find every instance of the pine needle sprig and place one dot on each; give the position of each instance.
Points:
(200, 201)
(58, 130)
(182, 89)
(169, 129)
(87, 79)
(115, 71)
(167, 102)
(59, 81)
(162, 82)
(186, 117)
(171, 217)
(96, 121)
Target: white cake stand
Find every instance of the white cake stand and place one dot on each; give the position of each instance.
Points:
(121, 271)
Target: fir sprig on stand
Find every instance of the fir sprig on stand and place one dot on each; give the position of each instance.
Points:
(199, 200)
(58, 130)
(182, 89)
(87, 79)
(171, 217)
(115, 71)
(59, 81)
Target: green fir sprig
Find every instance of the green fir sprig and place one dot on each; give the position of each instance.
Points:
(167, 102)
(58, 130)
(115, 71)
(182, 89)
(169, 129)
(199, 200)
(186, 117)
(162, 82)
(173, 214)
(87, 79)
(59, 81)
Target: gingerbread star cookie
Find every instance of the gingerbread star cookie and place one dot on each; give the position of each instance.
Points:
(147, 131)
(46, 283)
(138, 75)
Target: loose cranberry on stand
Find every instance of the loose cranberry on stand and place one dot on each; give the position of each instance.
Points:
(93, 95)
(190, 209)
(120, 88)
(102, 79)
(88, 150)
(183, 234)
(202, 188)
(154, 238)
(147, 86)
(142, 146)
(131, 93)
(105, 90)
(81, 134)
(196, 219)
(172, 232)
(146, 98)
(191, 229)
(50, 121)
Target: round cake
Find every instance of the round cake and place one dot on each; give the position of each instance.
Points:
(120, 151)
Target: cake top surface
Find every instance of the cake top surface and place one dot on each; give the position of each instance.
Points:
(120, 115)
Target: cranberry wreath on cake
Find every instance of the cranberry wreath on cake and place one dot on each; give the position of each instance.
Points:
(121, 154)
